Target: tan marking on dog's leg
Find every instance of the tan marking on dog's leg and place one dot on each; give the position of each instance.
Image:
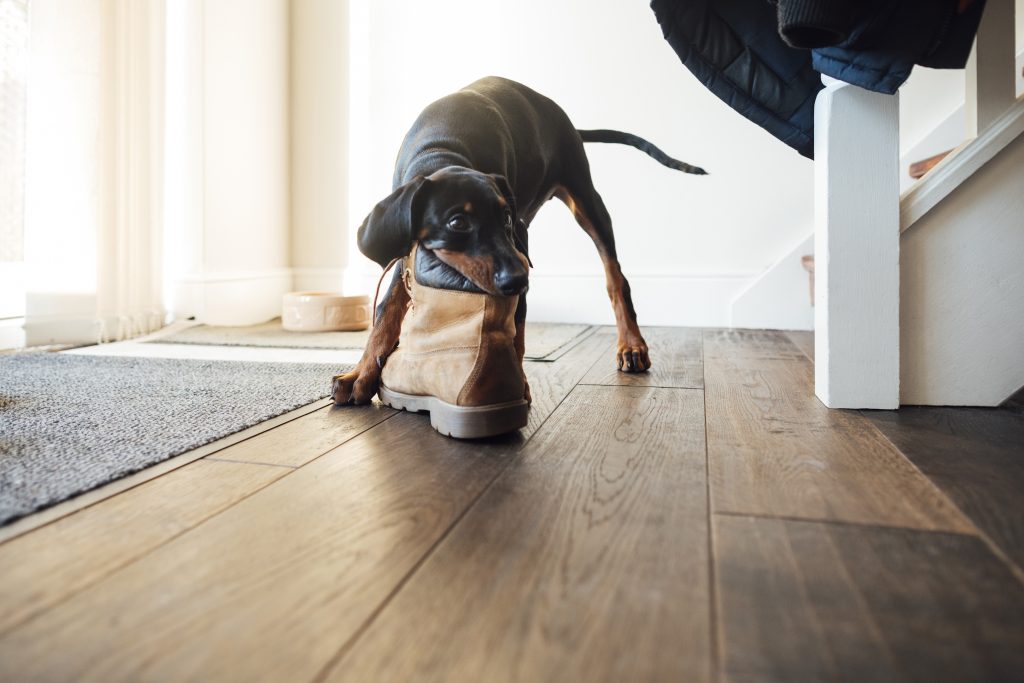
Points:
(359, 385)
(631, 354)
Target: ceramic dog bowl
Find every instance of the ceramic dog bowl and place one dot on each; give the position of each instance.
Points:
(324, 312)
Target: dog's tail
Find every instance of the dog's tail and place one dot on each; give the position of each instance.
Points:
(621, 138)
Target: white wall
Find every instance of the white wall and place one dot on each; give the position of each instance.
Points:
(688, 244)
(236, 168)
(780, 298)
(319, 142)
(259, 142)
(246, 134)
(927, 98)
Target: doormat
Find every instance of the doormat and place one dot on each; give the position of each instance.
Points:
(70, 423)
(544, 341)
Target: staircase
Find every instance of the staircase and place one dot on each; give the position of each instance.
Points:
(920, 298)
(962, 273)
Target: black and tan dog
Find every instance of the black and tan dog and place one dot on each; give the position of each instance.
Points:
(472, 173)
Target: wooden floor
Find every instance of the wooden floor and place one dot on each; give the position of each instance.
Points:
(709, 520)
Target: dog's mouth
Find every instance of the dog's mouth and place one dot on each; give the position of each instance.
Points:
(432, 271)
(447, 269)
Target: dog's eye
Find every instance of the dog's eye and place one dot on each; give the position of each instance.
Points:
(458, 223)
(508, 219)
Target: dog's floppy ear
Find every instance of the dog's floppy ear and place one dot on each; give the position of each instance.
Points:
(388, 232)
(506, 191)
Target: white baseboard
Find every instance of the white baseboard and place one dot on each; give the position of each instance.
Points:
(68, 318)
(779, 298)
(53, 331)
(12, 334)
(60, 318)
(232, 298)
(318, 279)
(686, 300)
(12, 290)
(362, 278)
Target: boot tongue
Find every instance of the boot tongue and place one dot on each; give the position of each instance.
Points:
(431, 271)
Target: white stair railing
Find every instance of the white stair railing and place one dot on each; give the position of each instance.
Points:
(857, 217)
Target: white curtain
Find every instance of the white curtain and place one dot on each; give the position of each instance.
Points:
(94, 168)
(13, 72)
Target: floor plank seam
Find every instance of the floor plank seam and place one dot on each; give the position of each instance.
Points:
(844, 522)
(800, 348)
(712, 575)
(1015, 569)
(186, 463)
(347, 646)
(365, 626)
(173, 463)
(113, 570)
(250, 462)
(569, 346)
(637, 386)
(344, 441)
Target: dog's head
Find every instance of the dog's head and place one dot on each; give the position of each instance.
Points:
(466, 218)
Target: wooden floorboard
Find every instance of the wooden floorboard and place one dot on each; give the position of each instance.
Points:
(803, 601)
(295, 443)
(675, 362)
(42, 568)
(586, 560)
(774, 449)
(119, 486)
(976, 456)
(358, 544)
(803, 341)
(550, 383)
(755, 345)
(272, 588)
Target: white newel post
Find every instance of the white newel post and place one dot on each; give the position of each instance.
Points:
(856, 247)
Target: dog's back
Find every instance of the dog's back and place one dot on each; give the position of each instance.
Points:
(493, 125)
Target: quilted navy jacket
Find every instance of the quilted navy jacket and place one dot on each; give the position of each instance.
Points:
(765, 59)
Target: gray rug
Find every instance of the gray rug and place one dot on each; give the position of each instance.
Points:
(544, 341)
(70, 423)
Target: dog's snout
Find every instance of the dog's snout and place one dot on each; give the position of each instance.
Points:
(510, 283)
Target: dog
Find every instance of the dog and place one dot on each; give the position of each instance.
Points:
(472, 172)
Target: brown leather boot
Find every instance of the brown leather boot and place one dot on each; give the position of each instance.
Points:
(456, 358)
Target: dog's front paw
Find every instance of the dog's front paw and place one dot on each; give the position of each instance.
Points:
(632, 356)
(355, 387)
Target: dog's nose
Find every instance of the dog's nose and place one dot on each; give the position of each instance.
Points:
(510, 284)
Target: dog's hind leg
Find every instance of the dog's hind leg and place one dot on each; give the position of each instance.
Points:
(359, 385)
(631, 354)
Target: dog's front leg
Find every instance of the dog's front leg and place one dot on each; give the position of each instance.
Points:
(359, 385)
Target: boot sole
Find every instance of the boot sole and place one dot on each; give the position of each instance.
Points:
(461, 422)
